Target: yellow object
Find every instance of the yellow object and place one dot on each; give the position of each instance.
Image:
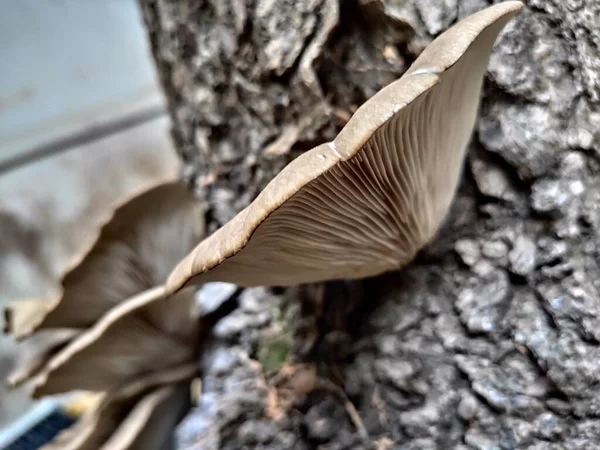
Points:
(81, 403)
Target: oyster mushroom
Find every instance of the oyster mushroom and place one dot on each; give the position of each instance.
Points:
(47, 345)
(134, 251)
(146, 334)
(368, 201)
(150, 424)
(361, 205)
(140, 415)
(141, 336)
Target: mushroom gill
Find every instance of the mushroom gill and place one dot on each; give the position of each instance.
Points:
(367, 202)
(139, 415)
(143, 335)
(44, 347)
(93, 337)
(150, 423)
(361, 205)
(133, 251)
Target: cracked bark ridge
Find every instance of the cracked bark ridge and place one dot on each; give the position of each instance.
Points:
(490, 340)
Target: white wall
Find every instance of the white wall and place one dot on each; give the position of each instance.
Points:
(68, 66)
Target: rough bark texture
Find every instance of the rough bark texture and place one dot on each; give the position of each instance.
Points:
(491, 339)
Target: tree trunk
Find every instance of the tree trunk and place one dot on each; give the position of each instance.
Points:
(490, 339)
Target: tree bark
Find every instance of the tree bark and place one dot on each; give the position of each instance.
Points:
(491, 338)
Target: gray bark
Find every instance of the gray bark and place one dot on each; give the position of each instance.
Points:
(491, 338)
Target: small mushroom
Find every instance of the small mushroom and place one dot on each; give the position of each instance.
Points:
(134, 251)
(367, 202)
(140, 415)
(145, 334)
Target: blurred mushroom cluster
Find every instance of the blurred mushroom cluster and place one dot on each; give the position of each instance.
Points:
(127, 324)
(113, 331)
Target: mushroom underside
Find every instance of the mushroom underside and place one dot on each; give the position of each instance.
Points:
(361, 205)
(133, 251)
(370, 200)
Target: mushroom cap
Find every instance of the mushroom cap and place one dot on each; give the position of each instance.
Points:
(133, 251)
(367, 202)
(132, 416)
(143, 335)
(150, 424)
(46, 345)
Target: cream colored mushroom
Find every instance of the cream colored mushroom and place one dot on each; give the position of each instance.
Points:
(137, 416)
(145, 334)
(47, 344)
(134, 251)
(367, 202)
(361, 205)
(150, 425)
(364, 204)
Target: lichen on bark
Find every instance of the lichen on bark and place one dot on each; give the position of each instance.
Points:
(489, 340)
